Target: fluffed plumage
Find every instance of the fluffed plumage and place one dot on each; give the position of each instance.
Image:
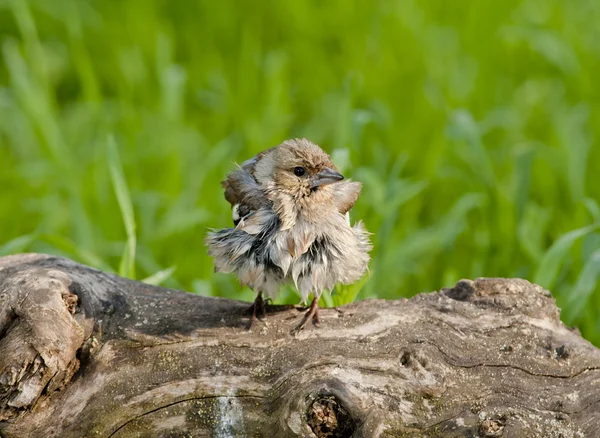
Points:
(290, 210)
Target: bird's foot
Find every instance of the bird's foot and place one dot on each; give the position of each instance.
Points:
(311, 314)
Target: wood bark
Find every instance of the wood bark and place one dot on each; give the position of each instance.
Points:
(85, 353)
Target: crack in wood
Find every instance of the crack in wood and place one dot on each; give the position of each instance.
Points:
(152, 411)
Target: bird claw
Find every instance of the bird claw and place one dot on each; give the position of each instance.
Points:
(311, 314)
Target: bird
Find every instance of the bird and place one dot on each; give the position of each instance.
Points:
(290, 210)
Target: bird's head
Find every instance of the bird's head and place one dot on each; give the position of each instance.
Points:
(297, 168)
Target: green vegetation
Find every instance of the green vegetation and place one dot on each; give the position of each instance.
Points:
(471, 125)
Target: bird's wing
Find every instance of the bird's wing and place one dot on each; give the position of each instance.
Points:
(345, 194)
(251, 163)
(244, 193)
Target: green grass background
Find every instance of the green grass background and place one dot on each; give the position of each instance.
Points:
(472, 124)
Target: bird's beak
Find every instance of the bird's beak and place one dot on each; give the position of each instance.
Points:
(325, 177)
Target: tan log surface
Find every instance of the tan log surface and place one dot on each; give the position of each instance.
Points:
(84, 353)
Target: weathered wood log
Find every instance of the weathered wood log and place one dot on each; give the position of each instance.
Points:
(84, 353)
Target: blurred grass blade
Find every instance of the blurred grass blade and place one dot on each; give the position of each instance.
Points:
(347, 293)
(532, 230)
(583, 289)
(593, 208)
(17, 245)
(75, 251)
(160, 277)
(117, 176)
(463, 127)
(523, 172)
(326, 299)
(552, 261)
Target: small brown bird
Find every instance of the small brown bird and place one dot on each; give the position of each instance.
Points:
(290, 210)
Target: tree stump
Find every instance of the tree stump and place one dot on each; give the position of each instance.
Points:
(84, 353)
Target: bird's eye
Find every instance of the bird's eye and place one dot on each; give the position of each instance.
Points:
(299, 171)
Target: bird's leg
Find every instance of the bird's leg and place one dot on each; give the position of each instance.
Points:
(315, 303)
(258, 310)
(312, 312)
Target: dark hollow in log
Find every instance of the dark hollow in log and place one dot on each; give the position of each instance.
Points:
(84, 353)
